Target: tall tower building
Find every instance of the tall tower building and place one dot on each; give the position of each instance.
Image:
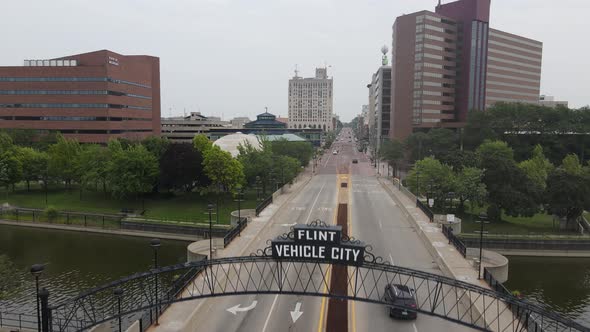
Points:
(448, 63)
(310, 101)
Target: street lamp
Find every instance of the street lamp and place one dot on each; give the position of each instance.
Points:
(258, 188)
(240, 195)
(483, 220)
(36, 271)
(118, 292)
(155, 244)
(210, 210)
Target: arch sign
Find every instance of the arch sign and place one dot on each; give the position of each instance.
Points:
(318, 242)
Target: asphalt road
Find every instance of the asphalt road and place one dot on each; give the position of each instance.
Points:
(375, 219)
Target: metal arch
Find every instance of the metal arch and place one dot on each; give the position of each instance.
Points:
(438, 296)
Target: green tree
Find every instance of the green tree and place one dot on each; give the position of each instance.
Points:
(156, 145)
(417, 144)
(571, 165)
(223, 170)
(181, 168)
(508, 186)
(256, 163)
(202, 143)
(63, 159)
(132, 171)
(34, 164)
(430, 178)
(469, 187)
(285, 168)
(11, 169)
(567, 195)
(460, 159)
(392, 151)
(93, 166)
(538, 168)
(302, 151)
(6, 142)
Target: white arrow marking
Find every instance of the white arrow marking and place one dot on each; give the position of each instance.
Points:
(289, 225)
(234, 310)
(295, 314)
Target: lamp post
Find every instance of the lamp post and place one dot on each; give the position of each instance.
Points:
(118, 292)
(210, 210)
(239, 195)
(155, 244)
(483, 220)
(36, 271)
(258, 188)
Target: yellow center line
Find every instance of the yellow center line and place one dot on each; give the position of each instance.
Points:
(324, 299)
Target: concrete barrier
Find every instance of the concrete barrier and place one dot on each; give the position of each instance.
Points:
(196, 250)
(496, 263)
(248, 213)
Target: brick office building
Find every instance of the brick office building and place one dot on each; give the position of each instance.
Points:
(448, 63)
(91, 97)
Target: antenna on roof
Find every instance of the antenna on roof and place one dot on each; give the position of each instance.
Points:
(296, 71)
(265, 109)
(439, 3)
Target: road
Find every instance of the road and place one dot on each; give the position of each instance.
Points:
(375, 219)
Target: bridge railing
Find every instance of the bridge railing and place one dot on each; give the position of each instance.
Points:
(266, 202)
(425, 209)
(18, 320)
(242, 223)
(455, 241)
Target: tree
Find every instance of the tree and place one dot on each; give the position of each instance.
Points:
(431, 178)
(93, 166)
(223, 170)
(34, 164)
(302, 151)
(538, 168)
(460, 159)
(181, 168)
(6, 142)
(285, 168)
(468, 187)
(571, 165)
(567, 195)
(256, 163)
(508, 186)
(131, 171)
(416, 145)
(441, 142)
(11, 169)
(63, 159)
(156, 145)
(392, 151)
(202, 143)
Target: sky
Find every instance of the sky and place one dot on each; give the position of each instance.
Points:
(232, 58)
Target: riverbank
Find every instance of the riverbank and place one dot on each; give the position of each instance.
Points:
(168, 236)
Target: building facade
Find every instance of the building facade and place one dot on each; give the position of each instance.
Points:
(310, 101)
(183, 129)
(91, 97)
(448, 63)
(549, 101)
(380, 96)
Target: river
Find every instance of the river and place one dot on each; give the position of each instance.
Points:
(561, 283)
(75, 261)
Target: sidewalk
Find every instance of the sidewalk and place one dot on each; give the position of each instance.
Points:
(179, 316)
(450, 261)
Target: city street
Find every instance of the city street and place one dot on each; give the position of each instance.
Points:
(374, 219)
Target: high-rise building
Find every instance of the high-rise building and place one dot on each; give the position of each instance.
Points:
(380, 95)
(449, 62)
(91, 97)
(550, 101)
(310, 101)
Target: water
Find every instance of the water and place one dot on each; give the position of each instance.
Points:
(76, 261)
(561, 283)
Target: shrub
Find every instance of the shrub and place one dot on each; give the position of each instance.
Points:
(51, 213)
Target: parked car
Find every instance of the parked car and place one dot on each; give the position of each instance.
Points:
(404, 299)
(334, 152)
(355, 161)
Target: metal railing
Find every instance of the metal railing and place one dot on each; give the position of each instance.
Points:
(242, 223)
(425, 209)
(72, 218)
(20, 321)
(459, 245)
(266, 202)
(530, 243)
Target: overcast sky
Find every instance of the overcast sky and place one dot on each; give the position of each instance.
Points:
(234, 57)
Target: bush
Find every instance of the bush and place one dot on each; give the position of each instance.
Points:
(51, 213)
(494, 213)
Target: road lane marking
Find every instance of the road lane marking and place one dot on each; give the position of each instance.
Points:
(274, 302)
(314, 203)
(391, 259)
(235, 309)
(414, 326)
(295, 314)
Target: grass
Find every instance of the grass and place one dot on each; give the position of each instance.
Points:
(181, 207)
(540, 223)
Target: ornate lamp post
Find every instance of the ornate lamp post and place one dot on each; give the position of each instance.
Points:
(210, 210)
(155, 244)
(36, 271)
